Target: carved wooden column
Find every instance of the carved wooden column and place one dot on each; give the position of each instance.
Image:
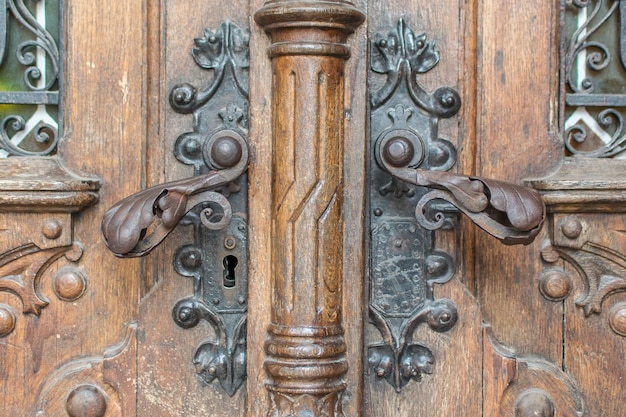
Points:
(305, 345)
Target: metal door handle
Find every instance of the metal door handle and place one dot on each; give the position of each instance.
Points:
(512, 213)
(138, 223)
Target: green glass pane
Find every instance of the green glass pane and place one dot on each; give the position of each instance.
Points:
(29, 76)
(594, 78)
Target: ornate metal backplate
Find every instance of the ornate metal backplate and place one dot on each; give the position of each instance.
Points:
(408, 166)
(404, 262)
(217, 260)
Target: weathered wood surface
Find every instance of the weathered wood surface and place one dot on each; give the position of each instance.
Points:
(100, 124)
(517, 138)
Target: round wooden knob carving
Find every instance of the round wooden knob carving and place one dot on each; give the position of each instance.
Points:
(69, 284)
(86, 401)
(7, 320)
(534, 403)
(617, 319)
(555, 285)
(572, 228)
(52, 229)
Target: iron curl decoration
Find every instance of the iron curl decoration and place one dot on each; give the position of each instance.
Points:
(607, 118)
(598, 54)
(224, 51)
(44, 133)
(402, 55)
(224, 360)
(44, 40)
(594, 125)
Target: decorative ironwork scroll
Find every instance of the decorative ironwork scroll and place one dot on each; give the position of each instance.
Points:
(593, 77)
(213, 203)
(29, 106)
(408, 167)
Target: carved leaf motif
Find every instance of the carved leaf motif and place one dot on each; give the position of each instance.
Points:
(21, 269)
(602, 269)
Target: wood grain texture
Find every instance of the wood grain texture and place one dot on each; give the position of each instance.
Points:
(591, 249)
(518, 386)
(516, 139)
(305, 343)
(354, 206)
(44, 185)
(260, 173)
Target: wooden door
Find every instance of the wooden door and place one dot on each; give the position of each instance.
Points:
(301, 93)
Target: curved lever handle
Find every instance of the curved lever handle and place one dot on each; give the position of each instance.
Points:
(512, 213)
(137, 224)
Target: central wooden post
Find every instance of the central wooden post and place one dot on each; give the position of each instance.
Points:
(305, 344)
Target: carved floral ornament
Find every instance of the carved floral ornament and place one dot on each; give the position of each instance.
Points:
(22, 269)
(600, 267)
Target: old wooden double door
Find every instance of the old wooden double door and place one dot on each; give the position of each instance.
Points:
(311, 88)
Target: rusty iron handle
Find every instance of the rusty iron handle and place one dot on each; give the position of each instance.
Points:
(512, 213)
(140, 222)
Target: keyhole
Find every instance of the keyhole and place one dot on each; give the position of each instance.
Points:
(230, 262)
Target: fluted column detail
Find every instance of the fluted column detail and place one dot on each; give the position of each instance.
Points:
(305, 345)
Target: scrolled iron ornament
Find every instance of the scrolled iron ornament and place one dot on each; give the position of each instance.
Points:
(402, 55)
(44, 134)
(409, 166)
(44, 41)
(591, 63)
(398, 361)
(223, 360)
(41, 56)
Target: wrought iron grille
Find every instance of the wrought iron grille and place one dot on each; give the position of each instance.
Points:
(29, 76)
(593, 77)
